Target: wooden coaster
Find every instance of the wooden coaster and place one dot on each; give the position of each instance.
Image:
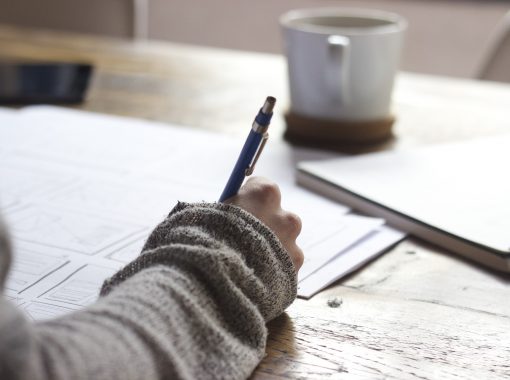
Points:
(334, 134)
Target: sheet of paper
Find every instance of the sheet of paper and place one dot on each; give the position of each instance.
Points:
(349, 260)
(30, 267)
(46, 282)
(81, 192)
(325, 240)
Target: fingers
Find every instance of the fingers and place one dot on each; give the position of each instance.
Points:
(262, 198)
(297, 256)
(258, 196)
(287, 226)
(263, 190)
(290, 223)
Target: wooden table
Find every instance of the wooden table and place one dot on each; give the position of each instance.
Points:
(415, 313)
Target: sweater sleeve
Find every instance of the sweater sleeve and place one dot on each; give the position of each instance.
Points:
(193, 305)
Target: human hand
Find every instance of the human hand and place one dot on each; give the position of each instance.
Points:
(262, 198)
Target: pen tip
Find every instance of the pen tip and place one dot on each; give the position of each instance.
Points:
(271, 99)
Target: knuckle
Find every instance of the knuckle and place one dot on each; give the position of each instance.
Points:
(293, 222)
(268, 191)
(299, 258)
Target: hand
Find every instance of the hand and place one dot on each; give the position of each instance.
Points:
(262, 198)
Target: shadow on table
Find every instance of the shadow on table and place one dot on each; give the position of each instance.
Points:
(281, 348)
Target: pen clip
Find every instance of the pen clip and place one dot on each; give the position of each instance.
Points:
(249, 169)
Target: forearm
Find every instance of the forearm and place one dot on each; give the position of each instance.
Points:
(173, 330)
(193, 305)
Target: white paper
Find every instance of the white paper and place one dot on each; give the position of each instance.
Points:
(81, 288)
(81, 192)
(460, 188)
(324, 241)
(30, 267)
(350, 260)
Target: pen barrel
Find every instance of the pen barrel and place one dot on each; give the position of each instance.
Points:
(243, 163)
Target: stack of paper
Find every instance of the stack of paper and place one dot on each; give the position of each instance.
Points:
(81, 192)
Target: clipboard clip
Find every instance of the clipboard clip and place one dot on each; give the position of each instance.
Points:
(249, 169)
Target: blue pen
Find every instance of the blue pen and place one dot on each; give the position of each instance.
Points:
(251, 149)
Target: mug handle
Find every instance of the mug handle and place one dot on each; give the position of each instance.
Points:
(337, 77)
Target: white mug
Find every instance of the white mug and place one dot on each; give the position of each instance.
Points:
(342, 62)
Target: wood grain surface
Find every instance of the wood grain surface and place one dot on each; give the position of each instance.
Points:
(417, 312)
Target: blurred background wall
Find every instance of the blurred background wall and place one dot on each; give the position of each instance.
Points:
(105, 17)
(446, 37)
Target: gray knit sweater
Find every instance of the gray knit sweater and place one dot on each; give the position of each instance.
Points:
(193, 305)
